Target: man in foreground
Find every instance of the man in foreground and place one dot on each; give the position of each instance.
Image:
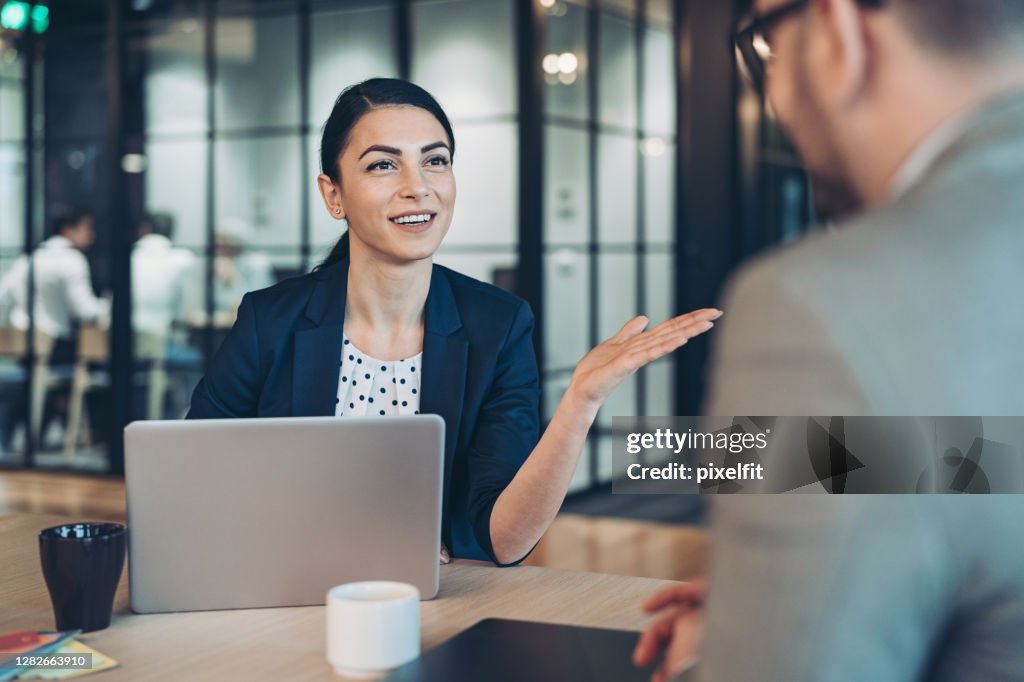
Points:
(909, 115)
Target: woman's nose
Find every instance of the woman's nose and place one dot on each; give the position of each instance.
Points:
(414, 183)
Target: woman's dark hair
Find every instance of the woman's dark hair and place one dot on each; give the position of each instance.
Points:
(352, 104)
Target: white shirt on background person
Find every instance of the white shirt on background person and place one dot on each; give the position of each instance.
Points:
(160, 274)
(63, 290)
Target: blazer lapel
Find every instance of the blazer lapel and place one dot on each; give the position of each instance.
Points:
(445, 359)
(318, 349)
(445, 355)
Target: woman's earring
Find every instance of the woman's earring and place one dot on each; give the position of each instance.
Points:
(338, 211)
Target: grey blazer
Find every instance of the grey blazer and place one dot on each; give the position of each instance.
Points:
(913, 309)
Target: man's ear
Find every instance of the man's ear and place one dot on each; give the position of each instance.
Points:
(331, 194)
(847, 48)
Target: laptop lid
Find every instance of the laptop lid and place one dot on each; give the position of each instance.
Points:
(499, 650)
(247, 513)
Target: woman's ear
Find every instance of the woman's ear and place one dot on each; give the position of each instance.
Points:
(331, 194)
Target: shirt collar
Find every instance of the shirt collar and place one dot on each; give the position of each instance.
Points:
(153, 240)
(59, 242)
(927, 153)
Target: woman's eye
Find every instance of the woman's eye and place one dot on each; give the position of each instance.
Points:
(384, 164)
(438, 161)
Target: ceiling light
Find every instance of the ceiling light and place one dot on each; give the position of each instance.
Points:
(567, 62)
(551, 64)
(653, 146)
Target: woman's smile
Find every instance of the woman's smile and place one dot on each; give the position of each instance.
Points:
(414, 221)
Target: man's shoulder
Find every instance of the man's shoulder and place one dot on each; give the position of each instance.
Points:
(849, 262)
(896, 297)
(182, 258)
(57, 263)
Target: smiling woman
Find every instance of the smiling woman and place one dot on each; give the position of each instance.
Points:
(393, 145)
(410, 336)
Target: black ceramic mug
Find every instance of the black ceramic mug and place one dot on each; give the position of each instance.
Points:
(82, 564)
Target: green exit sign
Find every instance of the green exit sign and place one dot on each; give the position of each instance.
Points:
(17, 16)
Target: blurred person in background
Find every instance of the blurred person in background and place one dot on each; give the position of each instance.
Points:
(64, 295)
(63, 298)
(161, 276)
(909, 116)
(160, 273)
(237, 269)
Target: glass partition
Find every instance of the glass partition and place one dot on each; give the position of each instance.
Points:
(14, 356)
(609, 204)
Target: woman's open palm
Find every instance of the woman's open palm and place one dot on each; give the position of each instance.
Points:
(604, 368)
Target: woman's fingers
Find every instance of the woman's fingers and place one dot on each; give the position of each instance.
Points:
(682, 334)
(688, 321)
(610, 363)
(689, 324)
(636, 326)
(701, 315)
(644, 350)
(684, 327)
(629, 330)
(684, 594)
(631, 358)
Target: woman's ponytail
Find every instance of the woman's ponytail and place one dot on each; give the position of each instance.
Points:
(339, 252)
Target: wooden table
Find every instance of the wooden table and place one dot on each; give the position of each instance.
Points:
(288, 643)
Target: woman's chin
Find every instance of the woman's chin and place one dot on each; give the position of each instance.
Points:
(404, 247)
(412, 253)
(416, 247)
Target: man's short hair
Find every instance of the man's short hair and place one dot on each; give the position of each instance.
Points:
(159, 223)
(65, 219)
(962, 28)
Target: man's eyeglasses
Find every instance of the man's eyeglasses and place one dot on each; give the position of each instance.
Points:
(753, 39)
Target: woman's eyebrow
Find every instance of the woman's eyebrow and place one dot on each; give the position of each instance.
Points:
(434, 145)
(395, 151)
(381, 148)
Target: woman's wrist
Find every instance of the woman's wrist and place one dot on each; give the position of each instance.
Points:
(578, 406)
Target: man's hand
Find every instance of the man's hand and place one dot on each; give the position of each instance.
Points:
(677, 633)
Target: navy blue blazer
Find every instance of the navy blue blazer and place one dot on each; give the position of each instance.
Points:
(479, 374)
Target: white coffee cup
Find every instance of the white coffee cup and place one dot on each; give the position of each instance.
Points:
(372, 627)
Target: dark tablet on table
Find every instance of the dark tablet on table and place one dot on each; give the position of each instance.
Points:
(500, 650)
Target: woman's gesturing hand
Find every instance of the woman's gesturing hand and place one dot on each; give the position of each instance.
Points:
(526, 507)
(602, 370)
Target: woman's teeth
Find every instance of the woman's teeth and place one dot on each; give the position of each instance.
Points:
(413, 219)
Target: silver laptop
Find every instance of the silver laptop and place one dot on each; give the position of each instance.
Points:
(245, 513)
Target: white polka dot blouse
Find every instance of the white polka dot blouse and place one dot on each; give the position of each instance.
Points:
(371, 387)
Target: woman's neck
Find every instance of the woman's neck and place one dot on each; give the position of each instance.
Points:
(384, 306)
